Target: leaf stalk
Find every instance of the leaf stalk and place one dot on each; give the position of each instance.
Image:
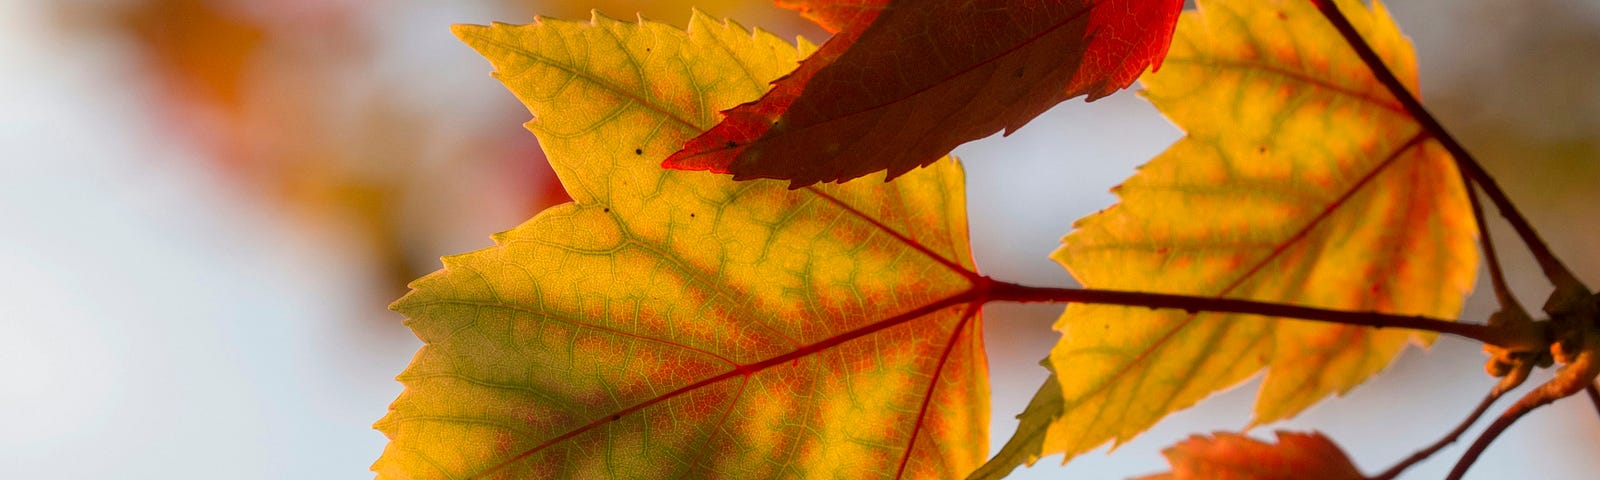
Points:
(1552, 266)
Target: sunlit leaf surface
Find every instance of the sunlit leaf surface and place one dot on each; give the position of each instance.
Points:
(1300, 180)
(1231, 456)
(675, 324)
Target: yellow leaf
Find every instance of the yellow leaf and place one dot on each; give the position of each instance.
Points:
(680, 325)
(1300, 180)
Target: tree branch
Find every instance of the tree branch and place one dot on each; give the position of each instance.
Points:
(1552, 266)
(1525, 339)
(1578, 375)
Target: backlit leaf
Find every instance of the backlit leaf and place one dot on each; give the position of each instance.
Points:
(901, 85)
(675, 324)
(1301, 180)
(1231, 456)
(836, 15)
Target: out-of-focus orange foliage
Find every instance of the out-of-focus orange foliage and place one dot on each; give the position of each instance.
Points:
(286, 102)
(166, 31)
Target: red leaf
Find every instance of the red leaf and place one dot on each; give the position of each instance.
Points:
(1231, 456)
(902, 84)
(835, 15)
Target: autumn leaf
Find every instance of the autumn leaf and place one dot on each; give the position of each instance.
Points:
(1231, 456)
(906, 81)
(836, 15)
(1301, 180)
(678, 324)
(676, 12)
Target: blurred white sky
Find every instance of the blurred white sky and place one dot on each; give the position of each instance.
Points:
(163, 325)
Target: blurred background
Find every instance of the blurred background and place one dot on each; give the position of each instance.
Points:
(206, 205)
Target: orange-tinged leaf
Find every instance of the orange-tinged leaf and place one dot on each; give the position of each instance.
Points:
(1231, 456)
(1300, 180)
(836, 15)
(901, 85)
(675, 324)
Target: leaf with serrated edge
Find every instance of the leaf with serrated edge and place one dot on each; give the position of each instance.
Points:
(1301, 180)
(1231, 456)
(681, 325)
(906, 81)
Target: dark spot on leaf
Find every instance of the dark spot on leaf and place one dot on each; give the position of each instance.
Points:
(608, 209)
(732, 144)
(1261, 150)
(638, 151)
(616, 417)
(691, 215)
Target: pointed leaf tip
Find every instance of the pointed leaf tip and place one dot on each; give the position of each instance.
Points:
(676, 325)
(871, 100)
(1292, 195)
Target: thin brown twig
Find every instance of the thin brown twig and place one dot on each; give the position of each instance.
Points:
(1497, 278)
(1449, 438)
(1594, 396)
(1552, 266)
(1582, 366)
(1510, 338)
